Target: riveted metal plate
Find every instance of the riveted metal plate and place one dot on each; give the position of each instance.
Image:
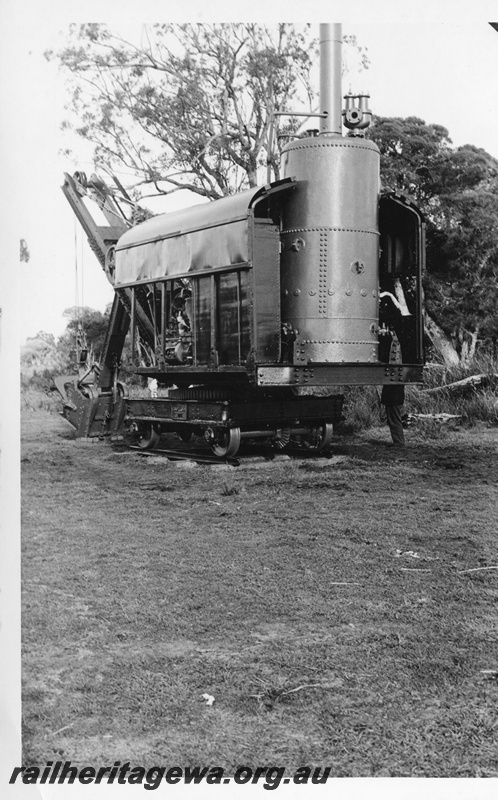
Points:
(332, 375)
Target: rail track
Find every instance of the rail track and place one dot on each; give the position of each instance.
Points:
(205, 457)
(186, 455)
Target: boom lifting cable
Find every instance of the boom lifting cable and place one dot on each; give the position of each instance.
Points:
(80, 338)
(76, 292)
(82, 270)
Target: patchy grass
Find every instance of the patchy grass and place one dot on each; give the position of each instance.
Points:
(33, 399)
(473, 405)
(323, 603)
(362, 409)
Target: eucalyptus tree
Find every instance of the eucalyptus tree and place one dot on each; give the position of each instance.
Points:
(189, 106)
(457, 190)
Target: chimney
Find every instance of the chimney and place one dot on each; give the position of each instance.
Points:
(330, 78)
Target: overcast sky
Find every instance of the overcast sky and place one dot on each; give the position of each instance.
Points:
(437, 61)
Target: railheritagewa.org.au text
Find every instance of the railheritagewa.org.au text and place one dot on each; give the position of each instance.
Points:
(60, 772)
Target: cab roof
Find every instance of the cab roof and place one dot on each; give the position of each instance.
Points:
(205, 215)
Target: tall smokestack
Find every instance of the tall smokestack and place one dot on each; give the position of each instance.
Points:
(330, 78)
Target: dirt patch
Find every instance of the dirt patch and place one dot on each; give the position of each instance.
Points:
(325, 604)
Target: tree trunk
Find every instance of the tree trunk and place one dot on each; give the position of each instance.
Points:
(441, 342)
(252, 175)
(468, 341)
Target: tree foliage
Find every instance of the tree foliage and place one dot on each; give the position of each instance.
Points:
(86, 328)
(457, 190)
(190, 105)
(41, 352)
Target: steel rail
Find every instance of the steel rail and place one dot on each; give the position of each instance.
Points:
(186, 455)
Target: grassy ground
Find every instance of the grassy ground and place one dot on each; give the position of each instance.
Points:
(326, 605)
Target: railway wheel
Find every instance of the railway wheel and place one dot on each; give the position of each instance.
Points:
(226, 443)
(318, 438)
(148, 439)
